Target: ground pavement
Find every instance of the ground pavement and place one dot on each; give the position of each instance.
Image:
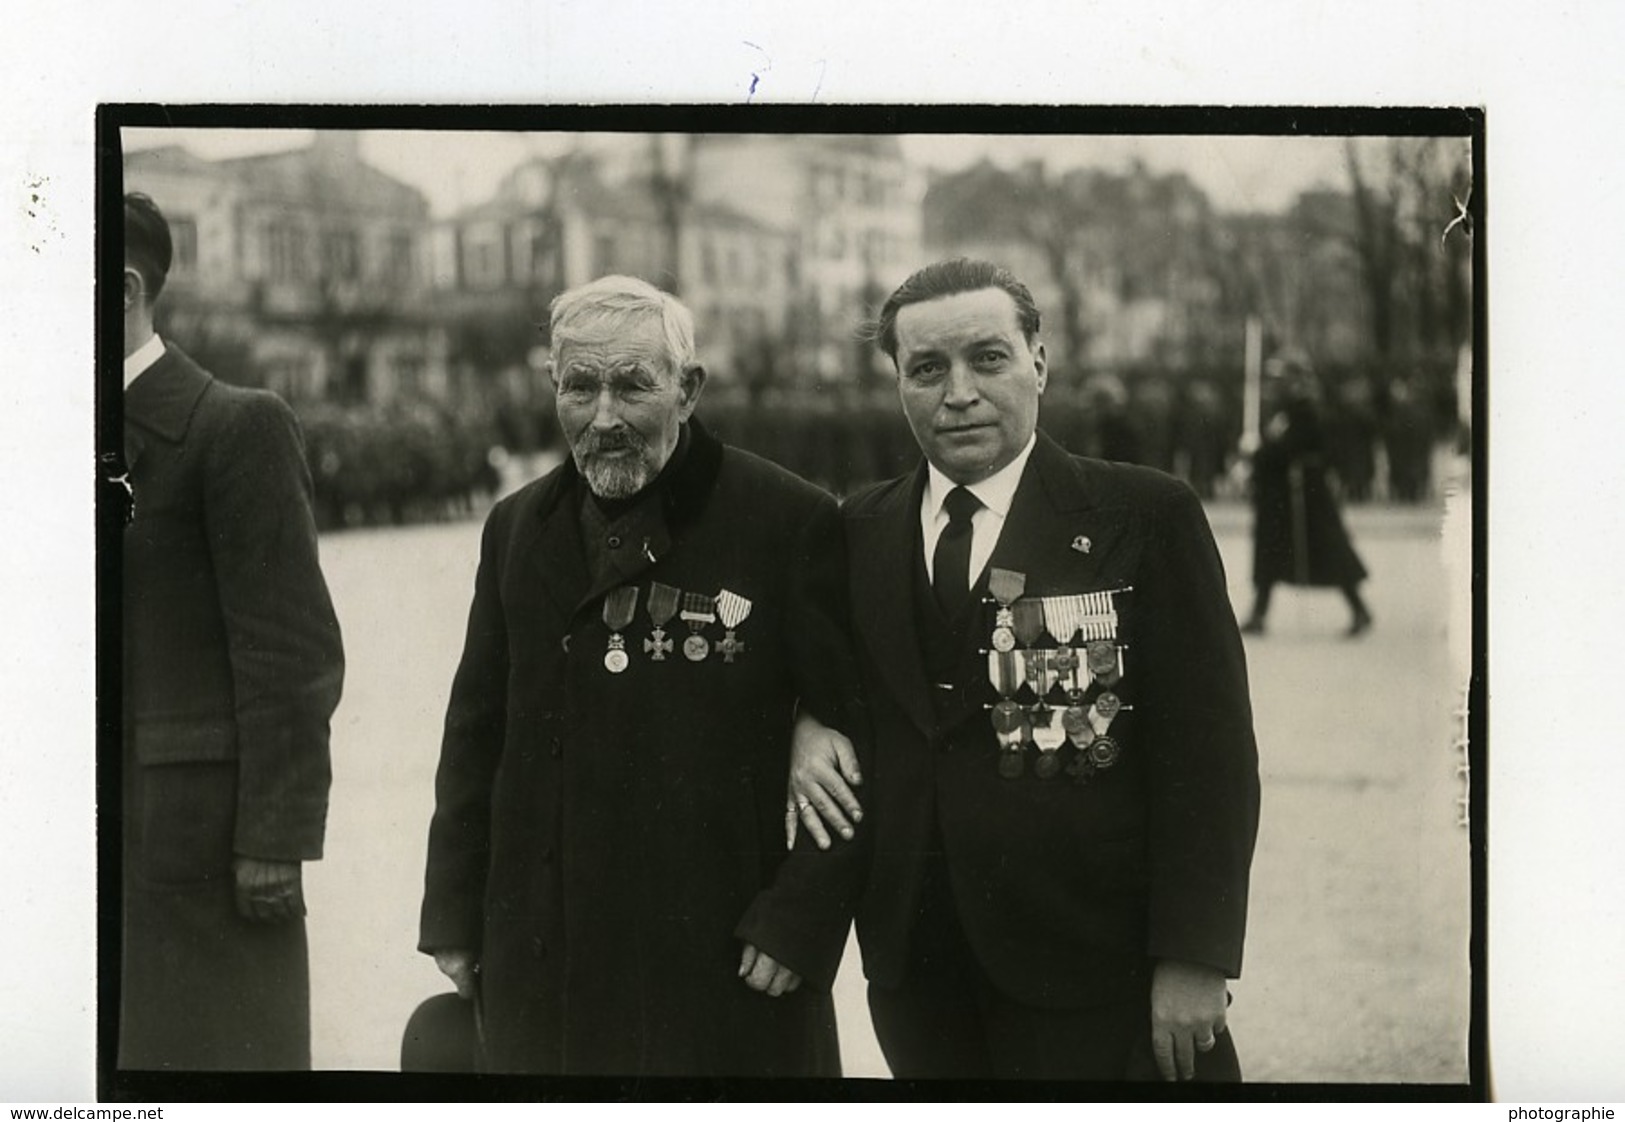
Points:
(1356, 960)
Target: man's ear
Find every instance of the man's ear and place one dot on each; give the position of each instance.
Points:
(132, 288)
(1041, 365)
(689, 385)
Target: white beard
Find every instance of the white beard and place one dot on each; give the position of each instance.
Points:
(615, 478)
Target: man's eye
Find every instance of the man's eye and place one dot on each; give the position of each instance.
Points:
(926, 371)
(990, 358)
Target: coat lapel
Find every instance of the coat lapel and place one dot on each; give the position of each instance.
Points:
(161, 402)
(883, 596)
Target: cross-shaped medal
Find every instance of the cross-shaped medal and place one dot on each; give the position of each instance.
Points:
(657, 645)
(729, 647)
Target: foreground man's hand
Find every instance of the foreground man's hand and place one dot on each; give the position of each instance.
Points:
(823, 771)
(459, 967)
(1187, 1015)
(268, 891)
(764, 975)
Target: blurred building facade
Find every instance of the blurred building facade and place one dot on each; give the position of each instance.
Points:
(300, 271)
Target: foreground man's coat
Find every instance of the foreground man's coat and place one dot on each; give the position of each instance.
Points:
(604, 841)
(232, 669)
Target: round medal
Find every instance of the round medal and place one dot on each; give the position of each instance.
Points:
(1007, 717)
(1004, 639)
(1010, 764)
(1048, 765)
(695, 648)
(1104, 751)
(1063, 661)
(615, 661)
(1107, 705)
(1102, 657)
(1075, 720)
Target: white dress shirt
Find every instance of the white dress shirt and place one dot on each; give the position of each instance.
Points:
(138, 360)
(996, 492)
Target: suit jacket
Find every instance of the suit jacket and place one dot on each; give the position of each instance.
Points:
(605, 840)
(232, 668)
(1066, 891)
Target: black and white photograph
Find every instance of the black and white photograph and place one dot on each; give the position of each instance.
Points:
(607, 595)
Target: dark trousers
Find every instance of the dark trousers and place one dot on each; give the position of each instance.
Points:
(948, 1021)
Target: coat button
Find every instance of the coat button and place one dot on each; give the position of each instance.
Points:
(564, 644)
(614, 541)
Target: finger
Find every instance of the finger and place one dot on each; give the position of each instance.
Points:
(262, 909)
(830, 812)
(1206, 1045)
(795, 983)
(747, 960)
(761, 975)
(848, 760)
(780, 981)
(815, 826)
(1184, 1055)
(835, 787)
(1162, 1046)
(790, 826)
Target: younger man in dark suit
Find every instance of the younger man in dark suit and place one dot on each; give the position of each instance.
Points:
(1064, 793)
(232, 669)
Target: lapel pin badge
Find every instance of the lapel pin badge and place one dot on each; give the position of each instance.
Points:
(1082, 544)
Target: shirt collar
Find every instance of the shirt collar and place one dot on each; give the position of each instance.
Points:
(138, 360)
(996, 492)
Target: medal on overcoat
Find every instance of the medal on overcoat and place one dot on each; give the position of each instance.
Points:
(620, 605)
(662, 606)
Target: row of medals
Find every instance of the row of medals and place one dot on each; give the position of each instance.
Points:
(1030, 680)
(695, 609)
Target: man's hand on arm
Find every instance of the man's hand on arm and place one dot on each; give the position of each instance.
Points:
(268, 891)
(1187, 1015)
(823, 771)
(764, 974)
(461, 968)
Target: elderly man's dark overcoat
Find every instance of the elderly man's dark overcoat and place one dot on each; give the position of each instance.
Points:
(606, 842)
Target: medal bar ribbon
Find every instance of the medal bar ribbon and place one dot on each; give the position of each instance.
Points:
(620, 605)
(662, 606)
(698, 610)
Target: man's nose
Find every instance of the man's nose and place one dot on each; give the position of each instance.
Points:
(606, 411)
(962, 391)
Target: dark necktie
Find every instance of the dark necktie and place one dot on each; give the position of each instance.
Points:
(950, 564)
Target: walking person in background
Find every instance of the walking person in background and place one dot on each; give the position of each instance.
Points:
(1298, 533)
(232, 669)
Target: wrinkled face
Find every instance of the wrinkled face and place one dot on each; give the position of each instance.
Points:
(969, 382)
(621, 403)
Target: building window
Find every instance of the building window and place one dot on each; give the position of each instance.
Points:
(398, 262)
(183, 233)
(286, 244)
(342, 251)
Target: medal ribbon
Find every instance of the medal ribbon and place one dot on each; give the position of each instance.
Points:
(619, 607)
(1029, 621)
(1006, 585)
(733, 608)
(1062, 614)
(1001, 671)
(662, 603)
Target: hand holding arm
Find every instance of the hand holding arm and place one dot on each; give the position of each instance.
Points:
(823, 771)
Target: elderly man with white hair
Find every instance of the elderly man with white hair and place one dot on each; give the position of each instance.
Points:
(606, 868)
